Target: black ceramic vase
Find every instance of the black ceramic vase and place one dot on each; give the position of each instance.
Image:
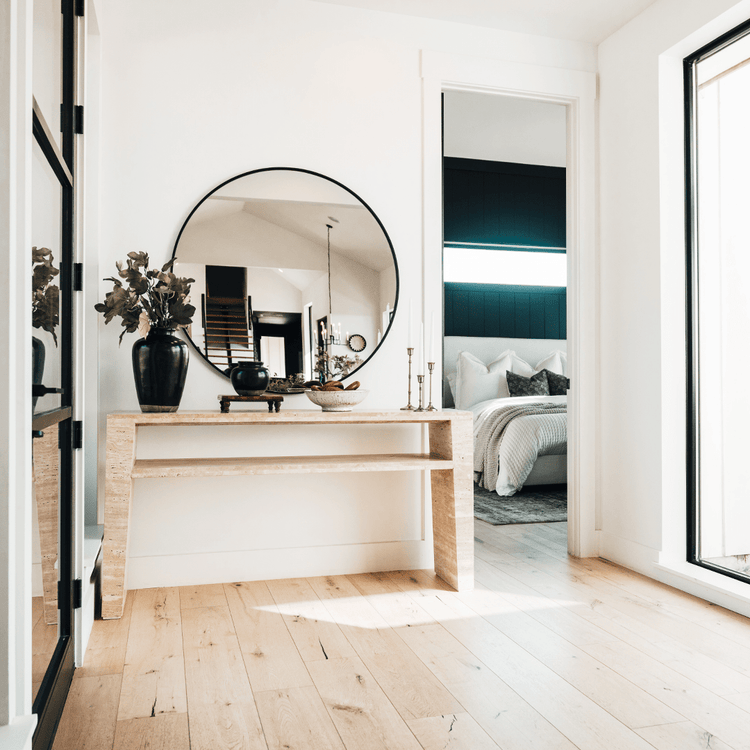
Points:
(160, 364)
(250, 378)
(38, 354)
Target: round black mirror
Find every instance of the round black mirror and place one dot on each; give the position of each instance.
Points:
(289, 267)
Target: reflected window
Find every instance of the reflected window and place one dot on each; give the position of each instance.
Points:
(490, 266)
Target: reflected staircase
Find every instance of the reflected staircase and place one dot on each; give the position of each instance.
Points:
(227, 323)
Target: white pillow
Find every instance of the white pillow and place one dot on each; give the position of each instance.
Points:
(477, 382)
(452, 385)
(556, 361)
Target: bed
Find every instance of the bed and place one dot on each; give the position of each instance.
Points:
(517, 440)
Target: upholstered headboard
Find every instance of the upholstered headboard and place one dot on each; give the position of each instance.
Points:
(487, 349)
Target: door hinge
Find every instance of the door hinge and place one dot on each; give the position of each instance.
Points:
(77, 435)
(79, 7)
(78, 277)
(77, 593)
(78, 119)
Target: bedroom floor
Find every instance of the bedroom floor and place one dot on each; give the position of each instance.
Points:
(547, 653)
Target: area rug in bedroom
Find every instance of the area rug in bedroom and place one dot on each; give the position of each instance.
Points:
(531, 505)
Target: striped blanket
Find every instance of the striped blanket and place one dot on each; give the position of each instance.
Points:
(509, 437)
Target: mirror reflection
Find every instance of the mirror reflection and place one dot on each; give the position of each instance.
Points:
(260, 248)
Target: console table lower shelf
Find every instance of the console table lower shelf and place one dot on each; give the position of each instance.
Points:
(449, 462)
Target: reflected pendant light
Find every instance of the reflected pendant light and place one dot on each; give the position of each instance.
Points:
(333, 336)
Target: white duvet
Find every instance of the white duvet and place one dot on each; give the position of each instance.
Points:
(523, 439)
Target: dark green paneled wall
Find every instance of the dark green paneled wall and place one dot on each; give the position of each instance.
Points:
(525, 312)
(499, 203)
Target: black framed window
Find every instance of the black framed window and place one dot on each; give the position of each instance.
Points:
(717, 117)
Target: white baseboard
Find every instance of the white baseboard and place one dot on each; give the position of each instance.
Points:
(692, 579)
(260, 565)
(713, 587)
(18, 734)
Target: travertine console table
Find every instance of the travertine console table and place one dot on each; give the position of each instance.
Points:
(449, 461)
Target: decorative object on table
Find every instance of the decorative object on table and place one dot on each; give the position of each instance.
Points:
(337, 398)
(329, 365)
(420, 380)
(45, 309)
(408, 407)
(356, 342)
(250, 378)
(533, 504)
(430, 367)
(294, 384)
(155, 303)
(409, 352)
(273, 400)
(160, 364)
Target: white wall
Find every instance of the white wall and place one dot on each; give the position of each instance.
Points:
(642, 261)
(238, 85)
(502, 128)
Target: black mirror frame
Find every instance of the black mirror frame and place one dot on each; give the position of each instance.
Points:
(335, 182)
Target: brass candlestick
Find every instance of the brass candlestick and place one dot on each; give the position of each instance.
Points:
(420, 380)
(430, 367)
(409, 407)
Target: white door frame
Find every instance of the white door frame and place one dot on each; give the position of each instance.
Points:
(577, 91)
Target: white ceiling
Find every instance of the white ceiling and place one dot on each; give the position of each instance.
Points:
(581, 20)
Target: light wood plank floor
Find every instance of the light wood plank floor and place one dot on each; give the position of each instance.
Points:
(547, 653)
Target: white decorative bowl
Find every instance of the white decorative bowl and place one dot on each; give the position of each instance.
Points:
(337, 400)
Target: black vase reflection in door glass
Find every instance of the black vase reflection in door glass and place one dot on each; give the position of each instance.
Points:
(160, 364)
(45, 312)
(37, 367)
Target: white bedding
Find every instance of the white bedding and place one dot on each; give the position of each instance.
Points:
(524, 439)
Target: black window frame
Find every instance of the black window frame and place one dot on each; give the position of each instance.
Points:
(692, 295)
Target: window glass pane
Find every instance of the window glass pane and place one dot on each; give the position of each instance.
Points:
(477, 266)
(46, 261)
(47, 63)
(723, 164)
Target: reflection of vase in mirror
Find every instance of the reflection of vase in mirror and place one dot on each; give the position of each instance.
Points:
(257, 248)
(37, 366)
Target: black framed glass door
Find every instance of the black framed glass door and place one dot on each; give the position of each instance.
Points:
(717, 116)
(52, 261)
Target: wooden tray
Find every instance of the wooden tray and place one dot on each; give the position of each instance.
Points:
(272, 399)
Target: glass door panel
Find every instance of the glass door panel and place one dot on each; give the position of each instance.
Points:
(47, 63)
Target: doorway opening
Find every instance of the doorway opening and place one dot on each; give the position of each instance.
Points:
(505, 354)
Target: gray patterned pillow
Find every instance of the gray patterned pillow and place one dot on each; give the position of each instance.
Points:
(558, 384)
(536, 385)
